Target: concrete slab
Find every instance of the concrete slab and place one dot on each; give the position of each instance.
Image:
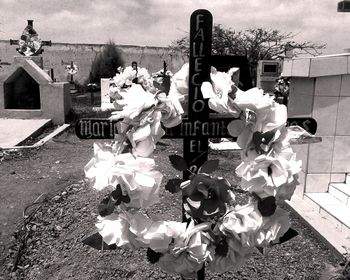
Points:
(334, 236)
(340, 191)
(15, 131)
(335, 208)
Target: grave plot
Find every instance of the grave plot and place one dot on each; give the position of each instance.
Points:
(139, 125)
(26, 89)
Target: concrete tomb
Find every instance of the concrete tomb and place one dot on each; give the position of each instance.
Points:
(320, 88)
(28, 92)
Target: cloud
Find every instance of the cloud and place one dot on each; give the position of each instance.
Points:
(159, 22)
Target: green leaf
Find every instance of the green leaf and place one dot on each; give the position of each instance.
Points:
(178, 162)
(261, 250)
(118, 196)
(222, 248)
(173, 185)
(287, 236)
(106, 207)
(117, 193)
(125, 198)
(209, 166)
(95, 241)
(153, 256)
(267, 206)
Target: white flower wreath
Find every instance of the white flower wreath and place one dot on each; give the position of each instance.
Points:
(220, 232)
(71, 69)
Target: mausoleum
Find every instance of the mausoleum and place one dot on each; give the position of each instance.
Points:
(28, 92)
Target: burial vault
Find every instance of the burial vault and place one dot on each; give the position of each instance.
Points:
(28, 92)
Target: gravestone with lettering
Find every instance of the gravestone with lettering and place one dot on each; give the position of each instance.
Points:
(106, 102)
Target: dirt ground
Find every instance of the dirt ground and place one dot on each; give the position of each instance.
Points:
(53, 249)
(26, 175)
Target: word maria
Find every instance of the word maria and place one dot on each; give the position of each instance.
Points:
(96, 129)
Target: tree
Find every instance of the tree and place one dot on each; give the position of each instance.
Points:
(106, 63)
(256, 44)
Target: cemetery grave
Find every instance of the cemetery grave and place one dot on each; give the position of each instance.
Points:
(30, 99)
(62, 222)
(49, 241)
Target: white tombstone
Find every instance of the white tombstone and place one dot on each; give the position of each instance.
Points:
(106, 103)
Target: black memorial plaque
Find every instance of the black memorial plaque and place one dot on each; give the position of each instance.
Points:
(96, 128)
(99, 128)
(309, 124)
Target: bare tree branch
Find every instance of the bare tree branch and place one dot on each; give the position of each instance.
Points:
(256, 44)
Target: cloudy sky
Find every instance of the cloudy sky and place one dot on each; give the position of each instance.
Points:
(159, 22)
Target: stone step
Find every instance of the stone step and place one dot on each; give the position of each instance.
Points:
(340, 191)
(332, 208)
(334, 234)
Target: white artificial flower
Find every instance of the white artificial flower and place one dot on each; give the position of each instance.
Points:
(114, 229)
(241, 222)
(190, 251)
(235, 258)
(136, 176)
(157, 235)
(134, 101)
(273, 228)
(266, 174)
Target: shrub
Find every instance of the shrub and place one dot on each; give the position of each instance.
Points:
(106, 63)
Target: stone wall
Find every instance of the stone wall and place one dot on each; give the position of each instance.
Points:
(60, 54)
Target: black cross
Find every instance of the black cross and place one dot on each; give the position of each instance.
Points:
(200, 125)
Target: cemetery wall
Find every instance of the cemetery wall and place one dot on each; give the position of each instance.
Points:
(59, 55)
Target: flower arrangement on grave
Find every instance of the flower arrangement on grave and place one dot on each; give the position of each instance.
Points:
(220, 232)
(71, 69)
(126, 77)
